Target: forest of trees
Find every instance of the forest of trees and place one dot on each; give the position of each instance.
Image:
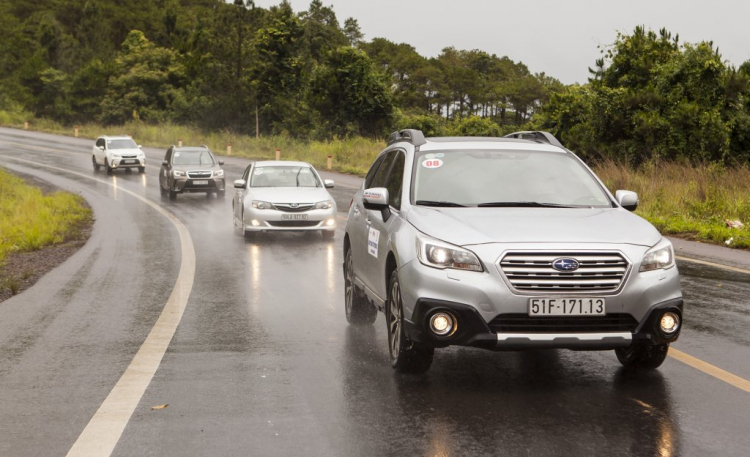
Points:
(235, 66)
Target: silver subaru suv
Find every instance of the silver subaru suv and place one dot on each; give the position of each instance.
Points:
(505, 244)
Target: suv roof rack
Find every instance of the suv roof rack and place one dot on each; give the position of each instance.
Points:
(413, 136)
(536, 135)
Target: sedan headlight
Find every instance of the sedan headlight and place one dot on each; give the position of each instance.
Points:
(115, 156)
(438, 254)
(262, 205)
(324, 205)
(219, 174)
(178, 173)
(659, 257)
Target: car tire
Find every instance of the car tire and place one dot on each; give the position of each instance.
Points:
(96, 165)
(328, 234)
(141, 169)
(106, 165)
(357, 309)
(647, 357)
(406, 356)
(172, 194)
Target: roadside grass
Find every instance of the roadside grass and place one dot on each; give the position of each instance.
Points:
(688, 201)
(30, 220)
(682, 200)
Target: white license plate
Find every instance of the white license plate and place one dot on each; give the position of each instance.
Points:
(200, 183)
(294, 217)
(567, 307)
(129, 161)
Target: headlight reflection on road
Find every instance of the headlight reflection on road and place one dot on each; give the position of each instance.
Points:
(143, 179)
(114, 186)
(330, 272)
(254, 255)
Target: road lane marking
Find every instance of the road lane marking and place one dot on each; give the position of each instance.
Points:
(712, 264)
(716, 372)
(105, 428)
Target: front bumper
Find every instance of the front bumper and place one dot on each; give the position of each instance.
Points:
(127, 162)
(195, 185)
(472, 330)
(256, 220)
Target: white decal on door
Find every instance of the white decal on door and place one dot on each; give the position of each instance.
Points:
(372, 242)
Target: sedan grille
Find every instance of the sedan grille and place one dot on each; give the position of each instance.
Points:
(199, 174)
(293, 223)
(521, 323)
(129, 156)
(596, 272)
(293, 207)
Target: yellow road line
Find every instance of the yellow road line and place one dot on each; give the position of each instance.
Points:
(712, 264)
(105, 428)
(716, 372)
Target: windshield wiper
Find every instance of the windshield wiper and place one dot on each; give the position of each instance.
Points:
(522, 205)
(435, 203)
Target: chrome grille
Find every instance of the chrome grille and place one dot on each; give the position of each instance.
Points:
(293, 207)
(597, 271)
(199, 174)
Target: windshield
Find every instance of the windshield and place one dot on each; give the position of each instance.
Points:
(125, 143)
(284, 176)
(192, 158)
(504, 178)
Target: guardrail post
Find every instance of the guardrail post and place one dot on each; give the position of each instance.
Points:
(229, 148)
(278, 154)
(75, 131)
(179, 143)
(25, 125)
(330, 159)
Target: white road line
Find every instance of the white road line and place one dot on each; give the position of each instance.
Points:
(103, 431)
(712, 264)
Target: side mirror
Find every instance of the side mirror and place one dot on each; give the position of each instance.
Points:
(627, 199)
(101, 148)
(221, 162)
(328, 183)
(164, 162)
(140, 147)
(376, 199)
(240, 184)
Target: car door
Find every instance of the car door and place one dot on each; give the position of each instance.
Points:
(356, 223)
(164, 171)
(99, 153)
(239, 195)
(373, 248)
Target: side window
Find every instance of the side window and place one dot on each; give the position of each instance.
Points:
(373, 170)
(168, 156)
(379, 180)
(395, 180)
(100, 142)
(246, 174)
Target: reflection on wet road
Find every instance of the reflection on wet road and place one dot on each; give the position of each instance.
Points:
(264, 363)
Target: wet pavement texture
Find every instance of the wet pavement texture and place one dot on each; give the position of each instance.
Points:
(264, 363)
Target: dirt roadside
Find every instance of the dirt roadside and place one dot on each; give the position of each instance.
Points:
(21, 270)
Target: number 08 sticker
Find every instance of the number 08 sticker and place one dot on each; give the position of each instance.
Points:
(432, 163)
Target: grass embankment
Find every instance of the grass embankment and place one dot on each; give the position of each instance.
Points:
(30, 220)
(688, 201)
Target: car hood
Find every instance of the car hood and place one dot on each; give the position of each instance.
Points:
(215, 167)
(467, 226)
(290, 194)
(127, 152)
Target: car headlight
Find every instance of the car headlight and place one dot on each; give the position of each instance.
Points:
(115, 156)
(324, 205)
(438, 254)
(262, 205)
(141, 156)
(659, 257)
(178, 173)
(219, 174)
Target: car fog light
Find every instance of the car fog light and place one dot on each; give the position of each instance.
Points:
(255, 223)
(442, 324)
(330, 222)
(670, 322)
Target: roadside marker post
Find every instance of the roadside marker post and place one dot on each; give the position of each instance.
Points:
(229, 148)
(329, 161)
(25, 125)
(179, 143)
(75, 131)
(278, 154)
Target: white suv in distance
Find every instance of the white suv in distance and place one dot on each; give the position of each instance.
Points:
(505, 244)
(112, 152)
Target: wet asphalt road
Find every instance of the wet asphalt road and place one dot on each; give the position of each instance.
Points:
(264, 363)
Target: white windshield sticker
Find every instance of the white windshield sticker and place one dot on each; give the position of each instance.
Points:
(372, 242)
(177, 154)
(432, 163)
(429, 156)
(439, 155)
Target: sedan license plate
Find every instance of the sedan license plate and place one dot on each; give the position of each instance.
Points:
(294, 217)
(129, 161)
(200, 183)
(567, 307)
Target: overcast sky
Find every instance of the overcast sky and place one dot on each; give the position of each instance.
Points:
(558, 37)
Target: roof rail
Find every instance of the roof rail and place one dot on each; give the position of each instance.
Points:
(536, 135)
(413, 136)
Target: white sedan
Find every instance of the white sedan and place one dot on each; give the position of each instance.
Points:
(281, 195)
